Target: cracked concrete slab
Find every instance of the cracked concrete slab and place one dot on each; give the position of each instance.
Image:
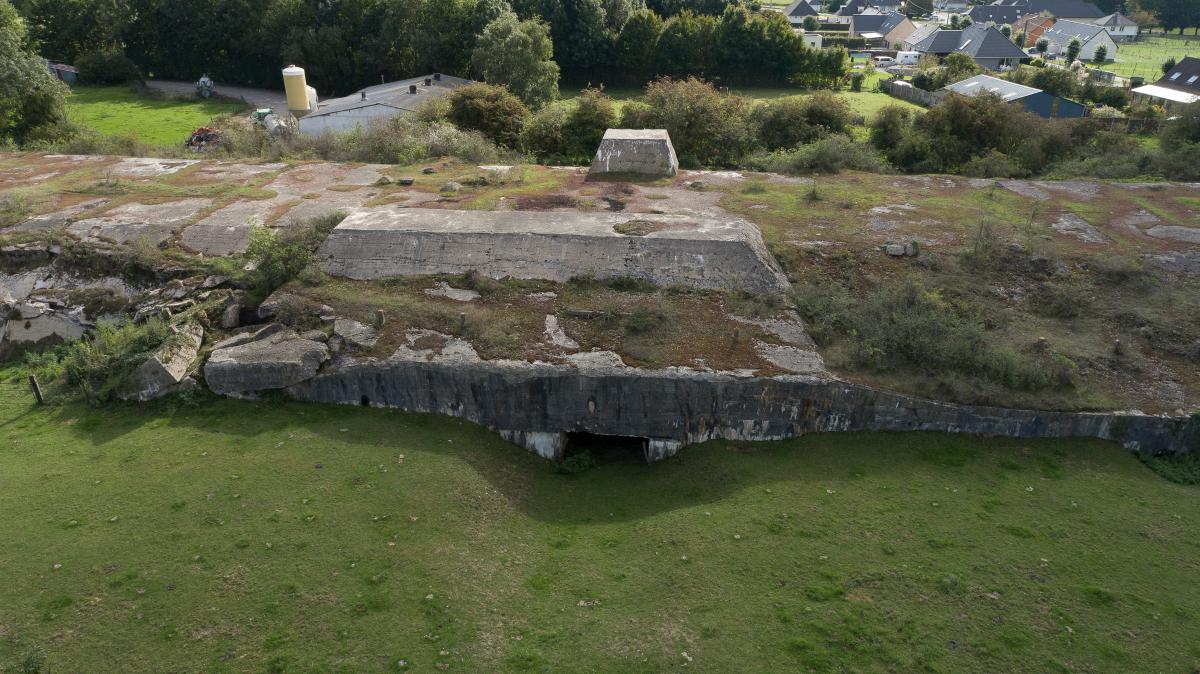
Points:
(1175, 233)
(1071, 224)
(127, 223)
(149, 167)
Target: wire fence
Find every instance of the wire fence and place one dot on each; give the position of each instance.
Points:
(16, 393)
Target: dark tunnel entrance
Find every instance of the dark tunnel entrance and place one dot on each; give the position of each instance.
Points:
(606, 449)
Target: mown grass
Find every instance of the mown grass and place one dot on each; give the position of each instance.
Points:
(121, 111)
(268, 536)
(1146, 56)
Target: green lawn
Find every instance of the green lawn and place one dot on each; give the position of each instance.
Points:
(1145, 57)
(119, 111)
(269, 536)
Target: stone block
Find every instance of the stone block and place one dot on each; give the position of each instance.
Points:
(640, 151)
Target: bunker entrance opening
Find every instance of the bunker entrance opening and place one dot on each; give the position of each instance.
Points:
(607, 448)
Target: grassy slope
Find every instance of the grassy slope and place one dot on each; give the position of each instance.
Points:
(281, 537)
(119, 111)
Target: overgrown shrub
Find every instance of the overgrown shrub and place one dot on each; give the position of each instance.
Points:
(107, 65)
(280, 255)
(491, 110)
(96, 367)
(787, 122)
(544, 135)
(707, 128)
(592, 115)
(834, 154)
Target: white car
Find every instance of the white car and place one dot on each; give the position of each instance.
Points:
(883, 61)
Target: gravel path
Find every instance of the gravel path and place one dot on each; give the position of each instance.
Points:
(263, 98)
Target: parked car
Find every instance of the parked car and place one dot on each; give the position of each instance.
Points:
(883, 61)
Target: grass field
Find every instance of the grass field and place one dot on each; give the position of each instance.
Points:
(1145, 57)
(120, 111)
(270, 536)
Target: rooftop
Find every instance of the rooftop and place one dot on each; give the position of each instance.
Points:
(398, 95)
(979, 84)
(1185, 77)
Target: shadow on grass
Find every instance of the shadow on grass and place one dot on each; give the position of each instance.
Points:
(621, 487)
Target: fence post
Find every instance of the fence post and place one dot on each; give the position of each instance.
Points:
(37, 390)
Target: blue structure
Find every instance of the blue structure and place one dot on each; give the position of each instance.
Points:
(1033, 100)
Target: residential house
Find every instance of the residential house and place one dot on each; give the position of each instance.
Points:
(796, 12)
(381, 101)
(886, 30)
(1033, 25)
(1072, 10)
(987, 45)
(887, 6)
(1090, 36)
(1119, 26)
(1032, 100)
(1180, 86)
(995, 15)
(852, 7)
(922, 32)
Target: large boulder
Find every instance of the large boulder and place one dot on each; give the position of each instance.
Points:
(356, 335)
(166, 371)
(275, 361)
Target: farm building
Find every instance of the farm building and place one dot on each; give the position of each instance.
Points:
(1033, 100)
(381, 101)
(1180, 86)
(1090, 36)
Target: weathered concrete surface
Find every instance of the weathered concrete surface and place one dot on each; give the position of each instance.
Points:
(641, 151)
(533, 403)
(710, 253)
(132, 222)
(165, 371)
(272, 362)
(35, 326)
(1175, 233)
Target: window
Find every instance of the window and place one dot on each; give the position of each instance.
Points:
(1174, 76)
(1192, 79)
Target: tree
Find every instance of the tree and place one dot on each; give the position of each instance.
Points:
(1019, 39)
(1042, 46)
(1168, 65)
(707, 128)
(31, 100)
(519, 55)
(489, 109)
(1006, 31)
(811, 24)
(637, 45)
(966, 22)
(686, 44)
(955, 22)
(1101, 54)
(1073, 49)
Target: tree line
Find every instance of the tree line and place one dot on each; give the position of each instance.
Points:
(347, 44)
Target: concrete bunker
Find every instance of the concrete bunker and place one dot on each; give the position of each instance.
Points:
(645, 152)
(605, 448)
(710, 253)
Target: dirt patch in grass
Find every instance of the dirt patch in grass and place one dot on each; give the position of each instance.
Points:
(544, 202)
(637, 227)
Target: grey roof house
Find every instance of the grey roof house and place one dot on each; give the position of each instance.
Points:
(381, 101)
(1059, 9)
(796, 12)
(1000, 15)
(987, 45)
(1032, 100)
(1180, 86)
(887, 29)
(1090, 38)
(1119, 26)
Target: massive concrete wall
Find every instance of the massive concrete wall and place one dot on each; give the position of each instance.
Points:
(710, 253)
(535, 404)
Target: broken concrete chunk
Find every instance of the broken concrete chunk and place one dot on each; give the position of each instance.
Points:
(315, 335)
(276, 362)
(249, 336)
(894, 249)
(354, 333)
(643, 151)
(167, 368)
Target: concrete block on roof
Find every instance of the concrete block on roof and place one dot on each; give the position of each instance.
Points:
(641, 151)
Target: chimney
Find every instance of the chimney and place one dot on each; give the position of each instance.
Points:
(412, 88)
(428, 82)
(437, 76)
(364, 95)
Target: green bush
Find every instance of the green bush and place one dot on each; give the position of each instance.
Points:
(108, 65)
(592, 115)
(1183, 469)
(491, 110)
(282, 255)
(787, 122)
(544, 135)
(96, 367)
(707, 128)
(833, 154)
(575, 463)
